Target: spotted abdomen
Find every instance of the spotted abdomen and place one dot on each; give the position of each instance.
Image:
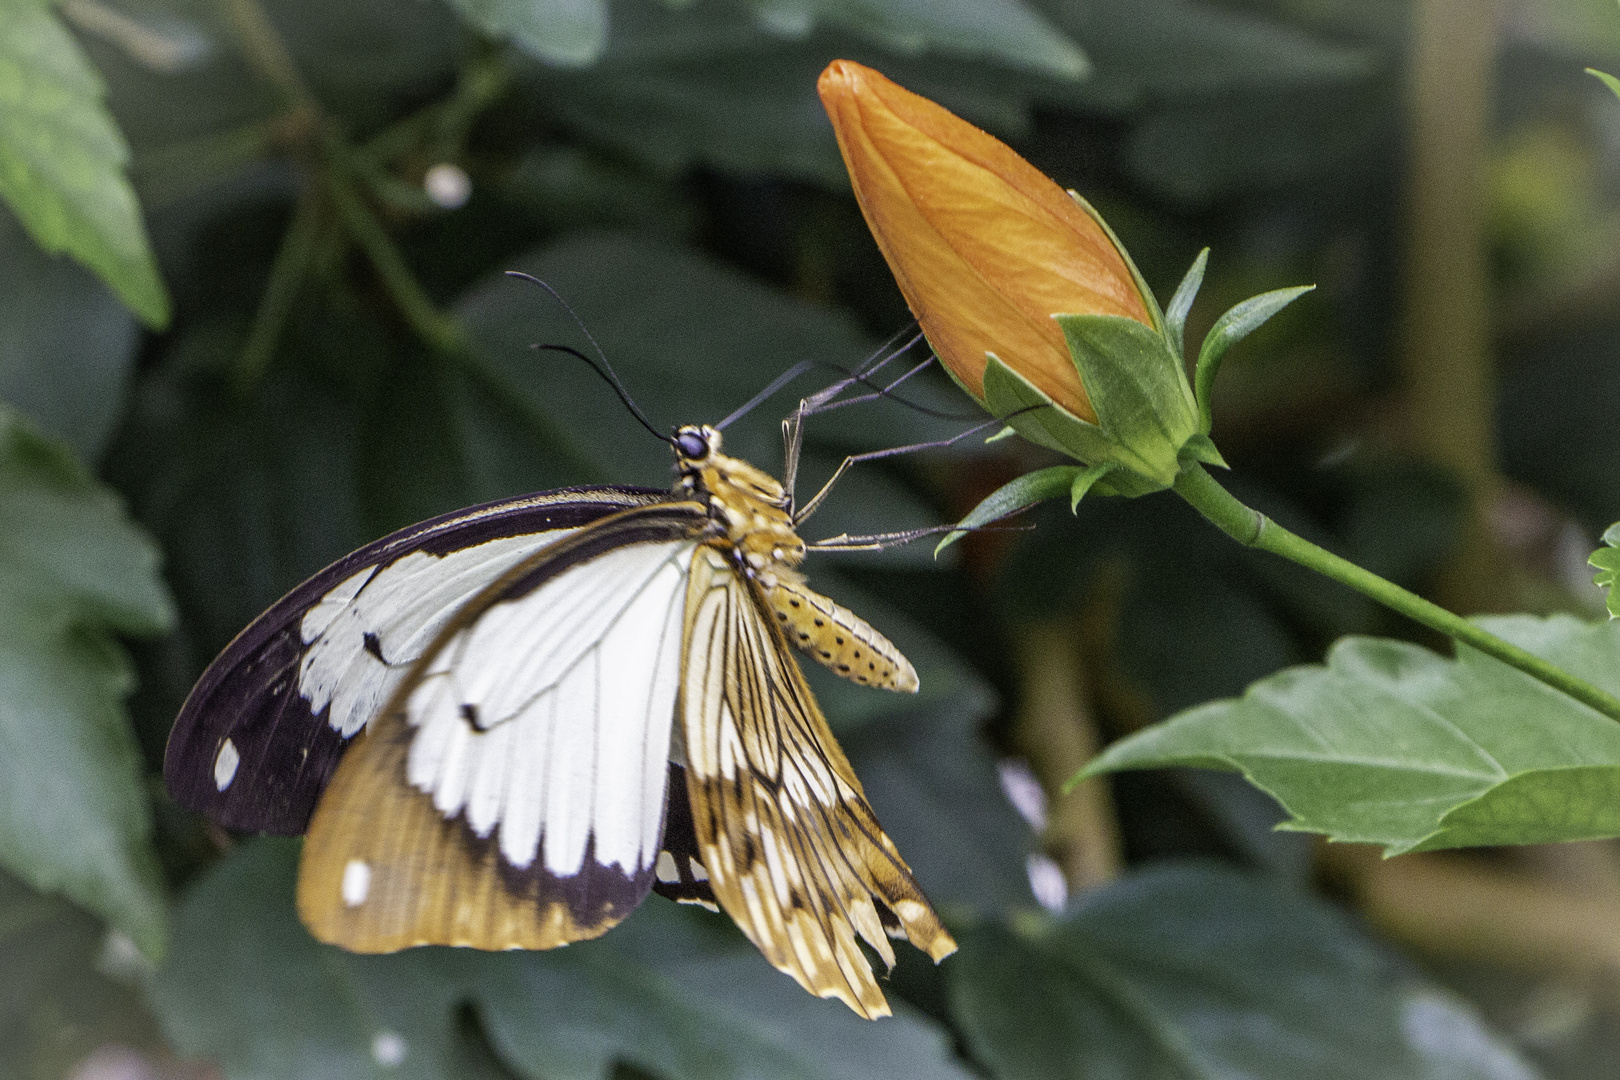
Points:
(839, 638)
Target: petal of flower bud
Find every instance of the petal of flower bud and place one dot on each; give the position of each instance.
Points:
(985, 247)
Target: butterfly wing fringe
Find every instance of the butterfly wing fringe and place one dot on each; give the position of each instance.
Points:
(793, 851)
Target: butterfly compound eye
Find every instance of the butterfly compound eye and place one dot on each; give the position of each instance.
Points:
(692, 444)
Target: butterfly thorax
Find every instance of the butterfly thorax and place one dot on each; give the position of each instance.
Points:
(753, 521)
(751, 510)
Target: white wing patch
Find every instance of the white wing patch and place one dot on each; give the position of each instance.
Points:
(363, 636)
(550, 715)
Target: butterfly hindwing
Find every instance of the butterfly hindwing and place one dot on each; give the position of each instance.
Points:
(262, 732)
(792, 850)
(512, 793)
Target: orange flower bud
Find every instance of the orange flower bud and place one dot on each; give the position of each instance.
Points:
(985, 248)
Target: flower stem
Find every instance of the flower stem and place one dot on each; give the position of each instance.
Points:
(1253, 529)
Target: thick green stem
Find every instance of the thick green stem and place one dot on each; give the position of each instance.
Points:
(1252, 528)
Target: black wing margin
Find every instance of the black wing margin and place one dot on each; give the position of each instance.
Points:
(281, 754)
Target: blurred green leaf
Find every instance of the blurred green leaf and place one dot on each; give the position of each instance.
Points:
(1608, 80)
(247, 497)
(1607, 561)
(73, 572)
(567, 32)
(710, 84)
(674, 992)
(1212, 147)
(62, 158)
(68, 347)
(1007, 30)
(1147, 52)
(1199, 971)
(1391, 744)
(68, 988)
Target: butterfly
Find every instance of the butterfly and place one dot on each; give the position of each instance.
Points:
(503, 727)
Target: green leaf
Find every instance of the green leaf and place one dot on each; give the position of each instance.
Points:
(1175, 316)
(1037, 418)
(567, 32)
(62, 158)
(1607, 561)
(1608, 80)
(674, 992)
(67, 352)
(1388, 743)
(1137, 388)
(1199, 447)
(1198, 972)
(1006, 30)
(1238, 323)
(69, 988)
(1015, 495)
(73, 571)
(1086, 480)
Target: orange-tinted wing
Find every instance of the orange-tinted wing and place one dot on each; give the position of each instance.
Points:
(791, 848)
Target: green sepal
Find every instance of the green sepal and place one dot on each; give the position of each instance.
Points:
(1016, 495)
(1230, 329)
(1084, 482)
(1138, 390)
(1175, 316)
(1608, 80)
(1136, 275)
(1043, 422)
(1201, 448)
(1005, 433)
(1607, 561)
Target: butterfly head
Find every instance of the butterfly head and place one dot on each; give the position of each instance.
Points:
(693, 444)
(748, 506)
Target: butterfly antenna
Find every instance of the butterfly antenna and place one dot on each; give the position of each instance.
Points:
(604, 369)
(776, 384)
(607, 377)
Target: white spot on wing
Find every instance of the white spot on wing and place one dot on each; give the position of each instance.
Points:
(698, 873)
(225, 763)
(388, 1049)
(356, 882)
(667, 870)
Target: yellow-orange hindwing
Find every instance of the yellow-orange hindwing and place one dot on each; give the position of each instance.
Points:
(793, 851)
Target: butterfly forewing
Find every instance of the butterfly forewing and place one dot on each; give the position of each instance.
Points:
(260, 735)
(511, 794)
(791, 848)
